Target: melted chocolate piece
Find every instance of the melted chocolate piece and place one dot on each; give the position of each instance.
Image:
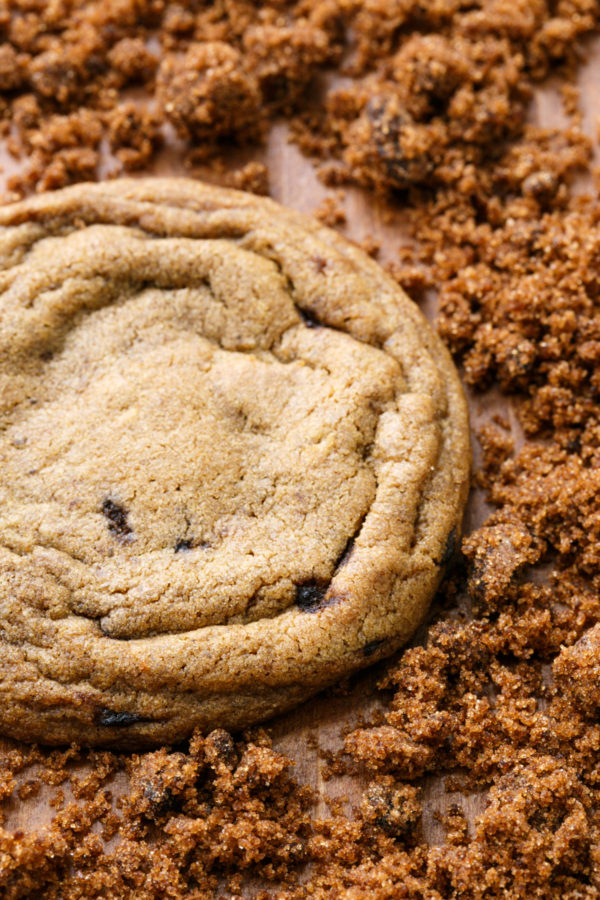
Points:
(309, 320)
(310, 594)
(109, 718)
(219, 747)
(370, 648)
(389, 122)
(450, 548)
(183, 544)
(117, 518)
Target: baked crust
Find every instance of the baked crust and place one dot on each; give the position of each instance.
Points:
(234, 461)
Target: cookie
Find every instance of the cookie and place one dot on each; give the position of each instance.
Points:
(234, 462)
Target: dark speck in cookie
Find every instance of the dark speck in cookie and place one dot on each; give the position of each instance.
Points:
(310, 594)
(183, 544)
(370, 648)
(117, 518)
(309, 320)
(109, 718)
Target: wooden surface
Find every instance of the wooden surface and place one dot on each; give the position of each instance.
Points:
(319, 724)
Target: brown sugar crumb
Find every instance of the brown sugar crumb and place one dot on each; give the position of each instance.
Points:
(215, 75)
(132, 60)
(370, 245)
(577, 671)
(207, 94)
(285, 59)
(436, 89)
(414, 279)
(61, 148)
(253, 177)
(497, 445)
(330, 211)
(133, 134)
(187, 820)
(393, 808)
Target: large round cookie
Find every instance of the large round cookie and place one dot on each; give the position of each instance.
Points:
(234, 459)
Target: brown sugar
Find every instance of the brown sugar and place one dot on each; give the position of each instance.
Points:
(215, 73)
(206, 93)
(502, 698)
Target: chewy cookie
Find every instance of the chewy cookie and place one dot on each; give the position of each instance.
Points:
(233, 455)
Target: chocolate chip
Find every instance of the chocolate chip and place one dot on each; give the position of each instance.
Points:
(370, 648)
(309, 320)
(109, 718)
(183, 544)
(310, 594)
(190, 544)
(117, 518)
(450, 548)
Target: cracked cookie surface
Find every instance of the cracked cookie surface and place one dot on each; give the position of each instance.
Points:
(233, 455)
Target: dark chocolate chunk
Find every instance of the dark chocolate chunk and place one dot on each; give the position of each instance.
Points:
(183, 544)
(159, 799)
(109, 718)
(370, 648)
(310, 594)
(190, 544)
(450, 548)
(117, 518)
(309, 320)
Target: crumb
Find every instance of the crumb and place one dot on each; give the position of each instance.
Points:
(253, 177)
(414, 279)
(133, 135)
(208, 94)
(330, 212)
(371, 246)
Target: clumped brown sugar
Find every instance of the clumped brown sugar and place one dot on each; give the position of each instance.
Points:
(187, 823)
(131, 71)
(206, 92)
(502, 698)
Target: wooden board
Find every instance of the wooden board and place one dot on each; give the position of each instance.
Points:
(319, 724)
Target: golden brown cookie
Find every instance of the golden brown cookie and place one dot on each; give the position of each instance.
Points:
(234, 459)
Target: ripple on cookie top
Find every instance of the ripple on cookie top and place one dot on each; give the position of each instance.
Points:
(234, 456)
